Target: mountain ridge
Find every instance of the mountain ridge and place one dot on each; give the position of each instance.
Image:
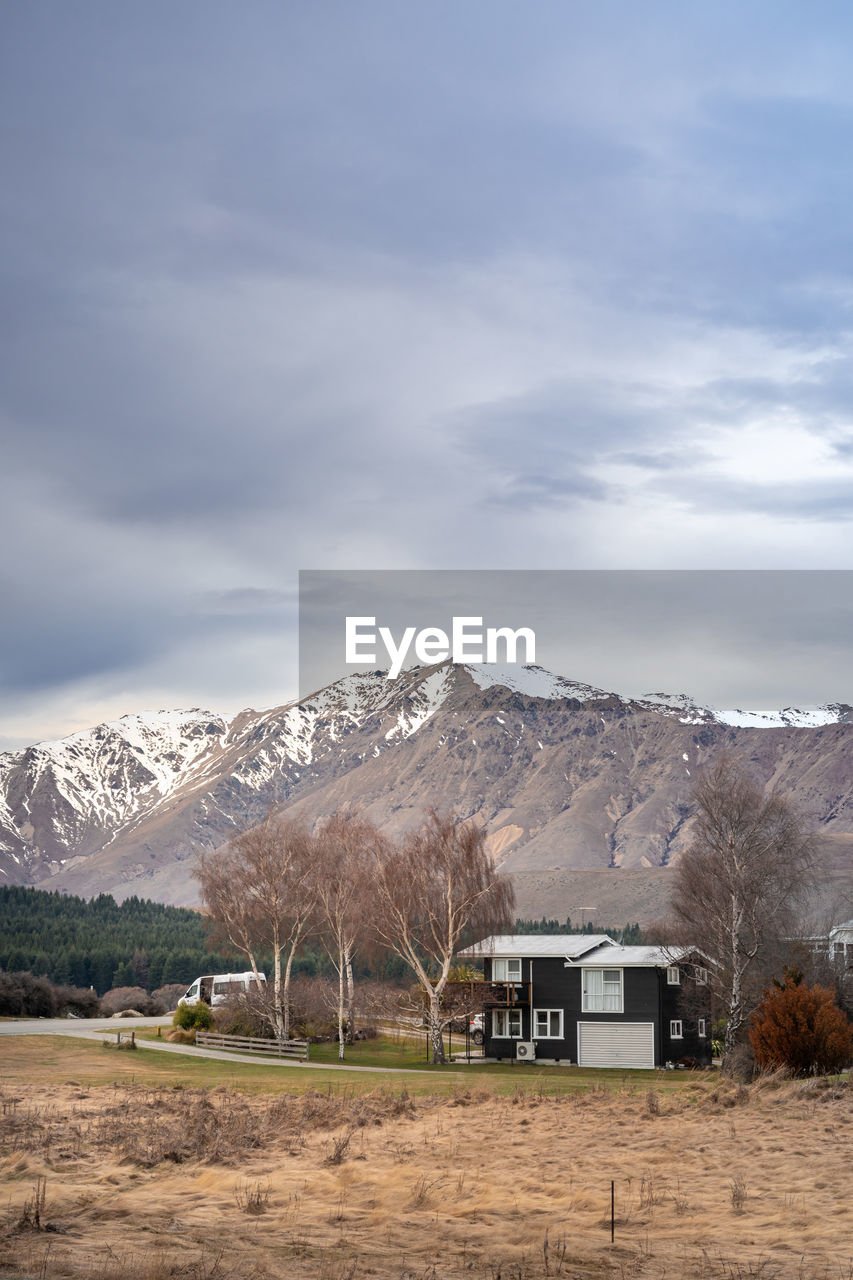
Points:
(564, 776)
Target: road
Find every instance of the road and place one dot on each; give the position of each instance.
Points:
(73, 1026)
(94, 1028)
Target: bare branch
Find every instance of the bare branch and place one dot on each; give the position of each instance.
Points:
(739, 885)
(261, 888)
(435, 892)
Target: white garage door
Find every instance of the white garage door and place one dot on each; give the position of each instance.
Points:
(616, 1044)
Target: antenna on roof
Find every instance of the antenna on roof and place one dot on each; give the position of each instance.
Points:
(583, 911)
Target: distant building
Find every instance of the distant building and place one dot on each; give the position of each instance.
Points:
(841, 942)
(835, 950)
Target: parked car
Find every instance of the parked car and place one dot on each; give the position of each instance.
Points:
(473, 1025)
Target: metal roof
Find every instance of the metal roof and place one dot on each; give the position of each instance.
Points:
(633, 957)
(571, 946)
(579, 949)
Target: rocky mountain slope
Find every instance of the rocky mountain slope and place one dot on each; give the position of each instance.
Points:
(567, 778)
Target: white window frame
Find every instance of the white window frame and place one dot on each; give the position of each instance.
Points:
(501, 969)
(702, 976)
(589, 1002)
(673, 975)
(510, 1016)
(703, 1034)
(548, 1034)
(676, 1029)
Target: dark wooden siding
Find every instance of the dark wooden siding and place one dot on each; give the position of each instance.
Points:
(688, 1001)
(647, 997)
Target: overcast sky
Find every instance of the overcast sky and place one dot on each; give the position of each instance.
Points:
(395, 286)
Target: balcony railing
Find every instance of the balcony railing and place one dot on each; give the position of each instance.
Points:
(492, 995)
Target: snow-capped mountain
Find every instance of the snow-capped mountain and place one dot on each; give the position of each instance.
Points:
(563, 775)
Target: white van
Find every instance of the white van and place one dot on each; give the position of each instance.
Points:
(216, 988)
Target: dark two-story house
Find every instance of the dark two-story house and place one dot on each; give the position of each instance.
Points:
(583, 998)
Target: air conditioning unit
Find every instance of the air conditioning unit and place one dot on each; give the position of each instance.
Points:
(525, 1050)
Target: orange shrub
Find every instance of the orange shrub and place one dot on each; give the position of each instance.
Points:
(801, 1028)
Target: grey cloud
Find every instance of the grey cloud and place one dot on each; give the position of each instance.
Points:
(528, 490)
(726, 637)
(667, 460)
(241, 256)
(808, 501)
(246, 600)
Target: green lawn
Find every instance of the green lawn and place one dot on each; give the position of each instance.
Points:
(408, 1054)
(58, 1059)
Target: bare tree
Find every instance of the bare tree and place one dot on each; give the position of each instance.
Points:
(437, 886)
(229, 904)
(261, 890)
(346, 846)
(738, 886)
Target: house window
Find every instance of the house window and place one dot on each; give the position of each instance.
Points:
(506, 970)
(702, 1032)
(602, 990)
(673, 976)
(548, 1024)
(506, 1024)
(675, 1031)
(702, 975)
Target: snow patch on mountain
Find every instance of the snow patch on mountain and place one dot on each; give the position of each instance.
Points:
(680, 706)
(70, 798)
(685, 709)
(424, 701)
(104, 778)
(533, 682)
(787, 718)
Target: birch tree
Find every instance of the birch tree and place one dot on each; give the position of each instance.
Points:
(347, 845)
(737, 888)
(261, 889)
(436, 889)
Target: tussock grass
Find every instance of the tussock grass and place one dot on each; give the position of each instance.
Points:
(153, 1182)
(147, 1127)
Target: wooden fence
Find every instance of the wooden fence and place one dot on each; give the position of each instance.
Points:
(294, 1049)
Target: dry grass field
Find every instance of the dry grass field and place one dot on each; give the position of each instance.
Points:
(145, 1181)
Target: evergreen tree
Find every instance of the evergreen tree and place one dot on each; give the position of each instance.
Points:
(155, 970)
(140, 964)
(124, 975)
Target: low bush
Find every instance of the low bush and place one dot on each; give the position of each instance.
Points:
(80, 1002)
(169, 995)
(243, 1016)
(177, 1035)
(198, 1017)
(22, 995)
(801, 1028)
(121, 998)
(313, 1009)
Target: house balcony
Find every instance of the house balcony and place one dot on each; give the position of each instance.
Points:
(492, 995)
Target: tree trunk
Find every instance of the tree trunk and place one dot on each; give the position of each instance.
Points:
(278, 1023)
(340, 1006)
(734, 1021)
(435, 1029)
(256, 971)
(350, 999)
(285, 1011)
(734, 1025)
